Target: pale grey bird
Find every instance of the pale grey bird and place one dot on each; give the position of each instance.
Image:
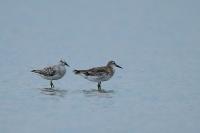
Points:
(54, 72)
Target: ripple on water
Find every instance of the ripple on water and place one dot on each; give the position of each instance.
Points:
(102, 93)
(53, 91)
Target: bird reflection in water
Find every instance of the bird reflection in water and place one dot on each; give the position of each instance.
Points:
(102, 93)
(53, 92)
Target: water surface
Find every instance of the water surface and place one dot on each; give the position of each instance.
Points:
(157, 44)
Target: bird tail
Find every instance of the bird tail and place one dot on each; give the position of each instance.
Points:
(76, 72)
(35, 71)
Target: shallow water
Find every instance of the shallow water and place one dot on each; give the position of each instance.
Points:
(156, 43)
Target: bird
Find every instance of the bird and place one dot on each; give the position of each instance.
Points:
(54, 72)
(99, 74)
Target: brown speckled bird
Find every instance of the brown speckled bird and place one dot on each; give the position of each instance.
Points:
(99, 74)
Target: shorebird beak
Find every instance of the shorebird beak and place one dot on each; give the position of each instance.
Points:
(66, 64)
(118, 66)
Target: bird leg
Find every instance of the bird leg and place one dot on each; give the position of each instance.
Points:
(99, 86)
(51, 83)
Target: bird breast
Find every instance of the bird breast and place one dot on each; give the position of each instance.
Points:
(62, 70)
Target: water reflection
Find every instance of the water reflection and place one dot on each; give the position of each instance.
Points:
(53, 91)
(102, 93)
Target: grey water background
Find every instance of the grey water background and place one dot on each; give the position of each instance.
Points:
(157, 43)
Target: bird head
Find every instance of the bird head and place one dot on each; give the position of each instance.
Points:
(113, 64)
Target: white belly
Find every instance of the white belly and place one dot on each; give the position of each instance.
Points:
(55, 77)
(97, 78)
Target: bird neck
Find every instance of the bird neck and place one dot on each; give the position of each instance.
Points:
(62, 68)
(111, 68)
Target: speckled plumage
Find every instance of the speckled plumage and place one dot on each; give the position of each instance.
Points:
(54, 72)
(99, 74)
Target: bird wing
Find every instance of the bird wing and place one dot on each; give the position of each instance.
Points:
(97, 71)
(47, 71)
